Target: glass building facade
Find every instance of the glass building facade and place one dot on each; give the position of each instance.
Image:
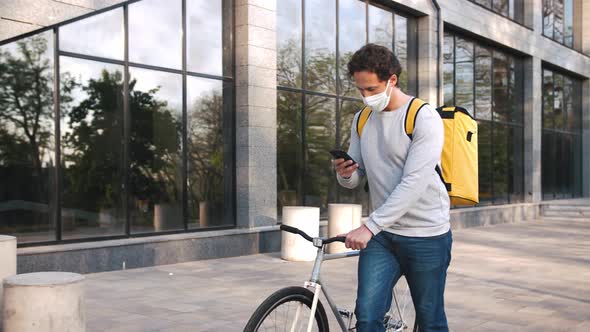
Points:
(122, 122)
(317, 100)
(119, 124)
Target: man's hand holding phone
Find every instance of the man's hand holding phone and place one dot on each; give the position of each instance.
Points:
(343, 163)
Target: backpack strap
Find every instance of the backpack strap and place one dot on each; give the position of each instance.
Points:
(411, 114)
(362, 120)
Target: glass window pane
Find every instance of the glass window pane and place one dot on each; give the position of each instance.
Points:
(483, 83)
(155, 151)
(358, 195)
(289, 33)
(485, 162)
(100, 35)
(501, 7)
(548, 165)
(27, 142)
(289, 145)
(320, 137)
(569, 103)
(449, 69)
(401, 49)
(320, 45)
(464, 74)
(569, 23)
(204, 37)
(516, 164)
(352, 37)
(502, 162)
(558, 111)
(515, 89)
(92, 149)
(558, 20)
(502, 103)
(155, 33)
(380, 27)
(547, 99)
(205, 152)
(548, 18)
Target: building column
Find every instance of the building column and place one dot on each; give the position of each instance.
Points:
(427, 59)
(586, 138)
(533, 129)
(256, 142)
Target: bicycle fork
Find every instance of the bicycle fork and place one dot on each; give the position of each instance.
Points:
(316, 295)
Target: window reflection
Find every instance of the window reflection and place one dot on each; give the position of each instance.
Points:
(204, 41)
(155, 36)
(205, 152)
(401, 48)
(483, 83)
(502, 100)
(561, 136)
(100, 35)
(289, 142)
(449, 69)
(320, 45)
(380, 27)
(155, 146)
(27, 148)
(352, 37)
(320, 136)
(91, 148)
(464, 74)
(485, 162)
(289, 31)
(358, 195)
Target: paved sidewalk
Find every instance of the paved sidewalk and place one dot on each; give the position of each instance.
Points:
(532, 276)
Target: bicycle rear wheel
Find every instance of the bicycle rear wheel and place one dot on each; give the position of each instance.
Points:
(278, 312)
(401, 316)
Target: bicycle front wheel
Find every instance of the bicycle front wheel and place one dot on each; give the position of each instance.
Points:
(288, 309)
(402, 316)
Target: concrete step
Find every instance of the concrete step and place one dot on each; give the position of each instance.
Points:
(566, 213)
(564, 207)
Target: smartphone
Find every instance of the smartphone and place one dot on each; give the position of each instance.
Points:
(337, 154)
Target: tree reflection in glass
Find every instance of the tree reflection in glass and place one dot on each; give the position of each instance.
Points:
(320, 45)
(320, 136)
(205, 152)
(155, 151)
(27, 146)
(289, 142)
(289, 69)
(92, 148)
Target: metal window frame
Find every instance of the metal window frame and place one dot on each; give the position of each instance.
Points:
(337, 97)
(228, 83)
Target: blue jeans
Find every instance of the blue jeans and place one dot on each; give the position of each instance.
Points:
(424, 262)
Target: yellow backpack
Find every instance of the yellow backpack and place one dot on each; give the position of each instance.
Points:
(459, 156)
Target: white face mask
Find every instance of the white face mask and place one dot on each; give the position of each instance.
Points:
(379, 101)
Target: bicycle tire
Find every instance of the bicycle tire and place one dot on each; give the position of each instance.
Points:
(280, 298)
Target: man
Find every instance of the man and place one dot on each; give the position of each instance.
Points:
(408, 233)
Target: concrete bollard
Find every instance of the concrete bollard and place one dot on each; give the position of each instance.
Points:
(342, 218)
(44, 302)
(293, 246)
(7, 262)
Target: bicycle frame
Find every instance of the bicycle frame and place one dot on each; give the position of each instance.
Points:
(315, 282)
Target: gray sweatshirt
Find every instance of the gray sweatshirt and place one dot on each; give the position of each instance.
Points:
(407, 194)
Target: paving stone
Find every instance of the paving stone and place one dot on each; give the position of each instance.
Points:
(508, 277)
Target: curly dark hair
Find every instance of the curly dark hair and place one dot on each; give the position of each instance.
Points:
(376, 59)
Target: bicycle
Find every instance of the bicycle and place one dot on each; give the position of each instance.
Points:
(299, 309)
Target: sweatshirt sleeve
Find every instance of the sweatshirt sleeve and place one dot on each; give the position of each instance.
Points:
(423, 156)
(354, 150)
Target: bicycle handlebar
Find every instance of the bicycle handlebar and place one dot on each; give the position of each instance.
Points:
(295, 230)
